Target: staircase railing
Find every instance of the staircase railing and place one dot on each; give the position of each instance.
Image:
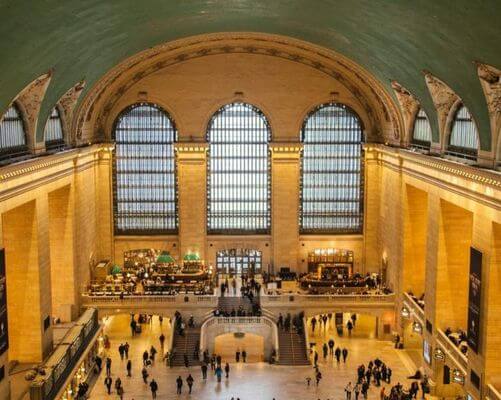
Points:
(492, 393)
(306, 337)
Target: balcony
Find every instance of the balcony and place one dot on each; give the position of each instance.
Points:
(151, 302)
(415, 310)
(333, 300)
(452, 352)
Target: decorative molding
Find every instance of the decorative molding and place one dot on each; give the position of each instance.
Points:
(30, 100)
(476, 175)
(443, 99)
(284, 147)
(490, 79)
(191, 152)
(67, 103)
(409, 105)
(368, 91)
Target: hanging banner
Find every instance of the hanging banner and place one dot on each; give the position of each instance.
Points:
(4, 333)
(474, 299)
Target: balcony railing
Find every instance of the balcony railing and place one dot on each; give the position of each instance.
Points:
(64, 357)
(134, 301)
(452, 352)
(341, 299)
(414, 308)
(491, 393)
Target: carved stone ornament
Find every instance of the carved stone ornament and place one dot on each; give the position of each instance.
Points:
(69, 100)
(31, 99)
(443, 96)
(408, 103)
(490, 78)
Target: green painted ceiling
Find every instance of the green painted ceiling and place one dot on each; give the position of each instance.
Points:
(393, 39)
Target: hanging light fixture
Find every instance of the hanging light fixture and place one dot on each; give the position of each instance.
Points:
(405, 312)
(416, 327)
(439, 354)
(457, 376)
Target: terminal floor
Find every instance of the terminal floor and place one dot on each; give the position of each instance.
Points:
(247, 381)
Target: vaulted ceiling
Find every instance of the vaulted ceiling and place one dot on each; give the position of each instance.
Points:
(392, 39)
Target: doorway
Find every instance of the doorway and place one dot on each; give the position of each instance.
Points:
(238, 261)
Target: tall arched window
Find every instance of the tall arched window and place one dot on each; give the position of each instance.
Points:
(238, 178)
(12, 133)
(464, 134)
(145, 199)
(421, 136)
(332, 171)
(53, 132)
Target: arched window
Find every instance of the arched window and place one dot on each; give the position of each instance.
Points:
(145, 199)
(421, 135)
(12, 133)
(53, 133)
(238, 178)
(464, 134)
(332, 175)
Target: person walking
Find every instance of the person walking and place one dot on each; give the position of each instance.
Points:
(349, 325)
(227, 370)
(318, 376)
(345, 354)
(108, 366)
(204, 371)
(121, 351)
(325, 350)
(118, 384)
(219, 373)
(357, 389)
(162, 340)
(120, 392)
(99, 363)
(129, 368)
(153, 353)
(348, 389)
(331, 346)
(154, 388)
(244, 356)
(144, 374)
(108, 382)
(338, 354)
(179, 384)
(146, 356)
(189, 381)
(237, 356)
(313, 324)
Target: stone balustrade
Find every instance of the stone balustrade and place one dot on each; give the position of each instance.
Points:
(414, 308)
(491, 393)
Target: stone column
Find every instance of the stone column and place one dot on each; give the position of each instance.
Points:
(285, 178)
(191, 160)
(487, 239)
(4, 358)
(26, 241)
(104, 198)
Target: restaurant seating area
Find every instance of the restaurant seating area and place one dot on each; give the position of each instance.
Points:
(154, 272)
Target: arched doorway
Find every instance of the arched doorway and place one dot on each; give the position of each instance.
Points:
(227, 344)
(239, 261)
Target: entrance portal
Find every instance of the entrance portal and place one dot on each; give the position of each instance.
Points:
(239, 261)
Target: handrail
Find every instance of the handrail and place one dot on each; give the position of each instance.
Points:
(414, 308)
(179, 299)
(453, 352)
(314, 298)
(492, 393)
(47, 386)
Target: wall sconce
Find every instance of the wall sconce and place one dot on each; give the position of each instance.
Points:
(416, 327)
(439, 354)
(405, 312)
(458, 377)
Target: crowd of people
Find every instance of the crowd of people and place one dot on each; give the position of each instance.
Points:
(459, 338)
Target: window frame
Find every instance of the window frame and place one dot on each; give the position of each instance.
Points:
(56, 144)
(361, 201)
(461, 151)
(234, 231)
(9, 154)
(423, 144)
(145, 232)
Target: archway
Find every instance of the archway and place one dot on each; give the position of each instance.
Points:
(227, 344)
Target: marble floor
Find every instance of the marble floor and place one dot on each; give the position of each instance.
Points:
(252, 380)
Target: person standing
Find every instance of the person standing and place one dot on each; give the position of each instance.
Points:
(338, 354)
(129, 368)
(121, 351)
(179, 384)
(118, 384)
(244, 356)
(204, 370)
(227, 370)
(162, 340)
(313, 324)
(108, 382)
(318, 376)
(126, 350)
(345, 354)
(315, 359)
(154, 388)
(325, 350)
(357, 389)
(349, 325)
(144, 373)
(145, 357)
(237, 356)
(189, 381)
(120, 392)
(331, 346)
